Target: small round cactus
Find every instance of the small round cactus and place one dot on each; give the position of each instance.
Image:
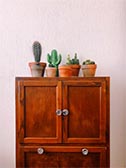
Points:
(37, 51)
(88, 61)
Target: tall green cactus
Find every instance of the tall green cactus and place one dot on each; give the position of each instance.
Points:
(37, 50)
(54, 59)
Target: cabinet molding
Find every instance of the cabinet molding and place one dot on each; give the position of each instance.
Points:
(62, 118)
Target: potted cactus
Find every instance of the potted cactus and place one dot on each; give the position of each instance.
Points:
(65, 71)
(51, 71)
(71, 68)
(74, 64)
(54, 60)
(88, 68)
(37, 67)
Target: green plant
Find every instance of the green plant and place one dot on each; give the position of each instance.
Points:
(51, 65)
(54, 59)
(88, 61)
(37, 50)
(74, 60)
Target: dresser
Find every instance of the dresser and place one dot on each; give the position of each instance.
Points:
(62, 122)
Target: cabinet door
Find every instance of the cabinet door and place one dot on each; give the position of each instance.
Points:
(37, 102)
(57, 156)
(87, 101)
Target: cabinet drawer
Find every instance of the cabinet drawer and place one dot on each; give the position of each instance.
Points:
(62, 156)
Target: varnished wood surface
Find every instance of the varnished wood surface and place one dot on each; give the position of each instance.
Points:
(87, 100)
(66, 156)
(88, 115)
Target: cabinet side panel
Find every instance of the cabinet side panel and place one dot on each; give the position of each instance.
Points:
(19, 122)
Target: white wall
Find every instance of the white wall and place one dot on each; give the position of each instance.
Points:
(93, 28)
(125, 83)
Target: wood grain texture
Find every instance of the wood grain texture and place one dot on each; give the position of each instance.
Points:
(65, 156)
(86, 126)
(88, 115)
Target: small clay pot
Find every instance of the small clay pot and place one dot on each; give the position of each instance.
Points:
(75, 69)
(89, 70)
(65, 71)
(51, 71)
(37, 69)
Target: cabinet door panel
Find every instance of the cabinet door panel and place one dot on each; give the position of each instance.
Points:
(86, 121)
(64, 157)
(36, 112)
(40, 119)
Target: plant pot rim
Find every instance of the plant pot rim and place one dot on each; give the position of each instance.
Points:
(74, 65)
(65, 67)
(50, 67)
(39, 63)
(93, 66)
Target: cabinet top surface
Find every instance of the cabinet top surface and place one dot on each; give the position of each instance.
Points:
(63, 78)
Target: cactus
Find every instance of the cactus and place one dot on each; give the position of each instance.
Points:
(87, 62)
(37, 51)
(54, 59)
(73, 60)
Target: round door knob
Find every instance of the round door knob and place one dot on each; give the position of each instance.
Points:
(65, 112)
(40, 151)
(59, 112)
(84, 151)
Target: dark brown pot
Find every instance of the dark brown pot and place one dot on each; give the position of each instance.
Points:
(37, 69)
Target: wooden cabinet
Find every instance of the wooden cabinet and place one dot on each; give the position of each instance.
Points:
(62, 122)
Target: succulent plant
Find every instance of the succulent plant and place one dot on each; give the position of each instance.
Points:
(54, 59)
(74, 60)
(37, 51)
(88, 61)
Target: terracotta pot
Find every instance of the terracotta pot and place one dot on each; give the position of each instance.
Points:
(51, 71)
(37, 69)
(65, 71)
(89, 70)
(75, 69)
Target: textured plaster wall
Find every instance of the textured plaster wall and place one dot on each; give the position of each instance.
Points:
(93, 28)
